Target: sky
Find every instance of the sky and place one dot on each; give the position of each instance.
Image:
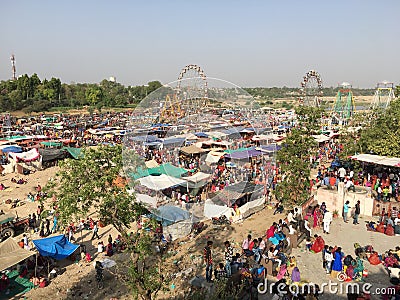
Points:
(249, 43)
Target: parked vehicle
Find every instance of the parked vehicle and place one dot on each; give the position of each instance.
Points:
(10, 224)
(222, 220)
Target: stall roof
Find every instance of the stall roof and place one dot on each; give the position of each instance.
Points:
(244, 154)
(11, 254)
(167, 169)
(57, 247)
(169, 214)
(161, 182)
(192, 149)
(377, 159)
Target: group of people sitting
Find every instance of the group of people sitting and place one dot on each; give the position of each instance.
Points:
(19, 180)
(389, 222)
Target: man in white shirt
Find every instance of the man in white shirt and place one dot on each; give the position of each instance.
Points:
(342, 174)
(290, 218)
(350, 186)
(327, 221)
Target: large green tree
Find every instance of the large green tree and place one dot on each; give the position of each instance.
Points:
(381, 135)
(91, 185)
(294, 158)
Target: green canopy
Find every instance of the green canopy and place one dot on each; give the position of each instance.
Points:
(75, 152)
(166, 169)
(230, 151)
(52, 144)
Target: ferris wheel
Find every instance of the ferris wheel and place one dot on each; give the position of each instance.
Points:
(311, 89)
(192, 83)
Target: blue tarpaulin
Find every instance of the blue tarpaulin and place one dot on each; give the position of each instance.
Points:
(57, 247)
(14, 149)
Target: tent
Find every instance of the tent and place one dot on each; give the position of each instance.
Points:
(52, 154)
(161, 182)
(28, 156)
(51, 144)
(377, 159)
(147, 200)
(11, 254)
(176, 222)
(192, 149)
(249, 195)
(167, 169)
(246, 154)
(14, 149)
(57, 247)
(213, 157)
(74, 152)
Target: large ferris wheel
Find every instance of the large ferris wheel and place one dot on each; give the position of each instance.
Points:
(192, 89)
(192, 83)
(311, 89)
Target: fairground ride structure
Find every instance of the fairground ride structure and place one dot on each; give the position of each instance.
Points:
(384, 94)
(311, 89)
(343, 108)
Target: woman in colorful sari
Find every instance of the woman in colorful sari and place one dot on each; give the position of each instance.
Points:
(317, 216)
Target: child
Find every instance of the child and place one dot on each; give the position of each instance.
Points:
(326, 247)
(308, 244)
(220, 272)
(328, 260)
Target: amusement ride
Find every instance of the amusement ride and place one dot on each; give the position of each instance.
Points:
(311, 89)
(343, 107)
(188, 97)
(384, 94)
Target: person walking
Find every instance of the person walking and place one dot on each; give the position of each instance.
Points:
(47, 227)
(207, 256)
(54, 229)
(95, 231)
(356, 213)
(327, 221)
(228, 258)
(346, 211)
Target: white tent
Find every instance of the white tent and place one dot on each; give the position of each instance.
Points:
(213, 157)
(199, 176)
(377, 159)
(147, 200)
(161, 182)
(321, 138)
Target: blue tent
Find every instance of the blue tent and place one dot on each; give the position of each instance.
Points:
(57, 247)
(14, 149)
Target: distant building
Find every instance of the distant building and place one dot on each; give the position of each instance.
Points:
(112, 79)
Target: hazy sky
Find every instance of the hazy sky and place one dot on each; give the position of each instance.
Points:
(249, 43)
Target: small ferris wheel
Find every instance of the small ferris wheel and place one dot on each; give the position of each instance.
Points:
(311, 89)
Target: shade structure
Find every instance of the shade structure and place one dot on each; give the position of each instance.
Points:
(147, 200)
(167, 169)
(11, 254)
(192, 149)
(169, 214)
(244, 154)
(14, 149)
(377, 159)
(57, 247)
(161, 182)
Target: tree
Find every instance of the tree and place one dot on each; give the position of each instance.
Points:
(90, 184)
(381, 135)
(293, 158)
(94, 94)
(152, 86)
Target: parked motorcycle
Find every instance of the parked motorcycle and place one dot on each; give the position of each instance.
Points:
(222, 220)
